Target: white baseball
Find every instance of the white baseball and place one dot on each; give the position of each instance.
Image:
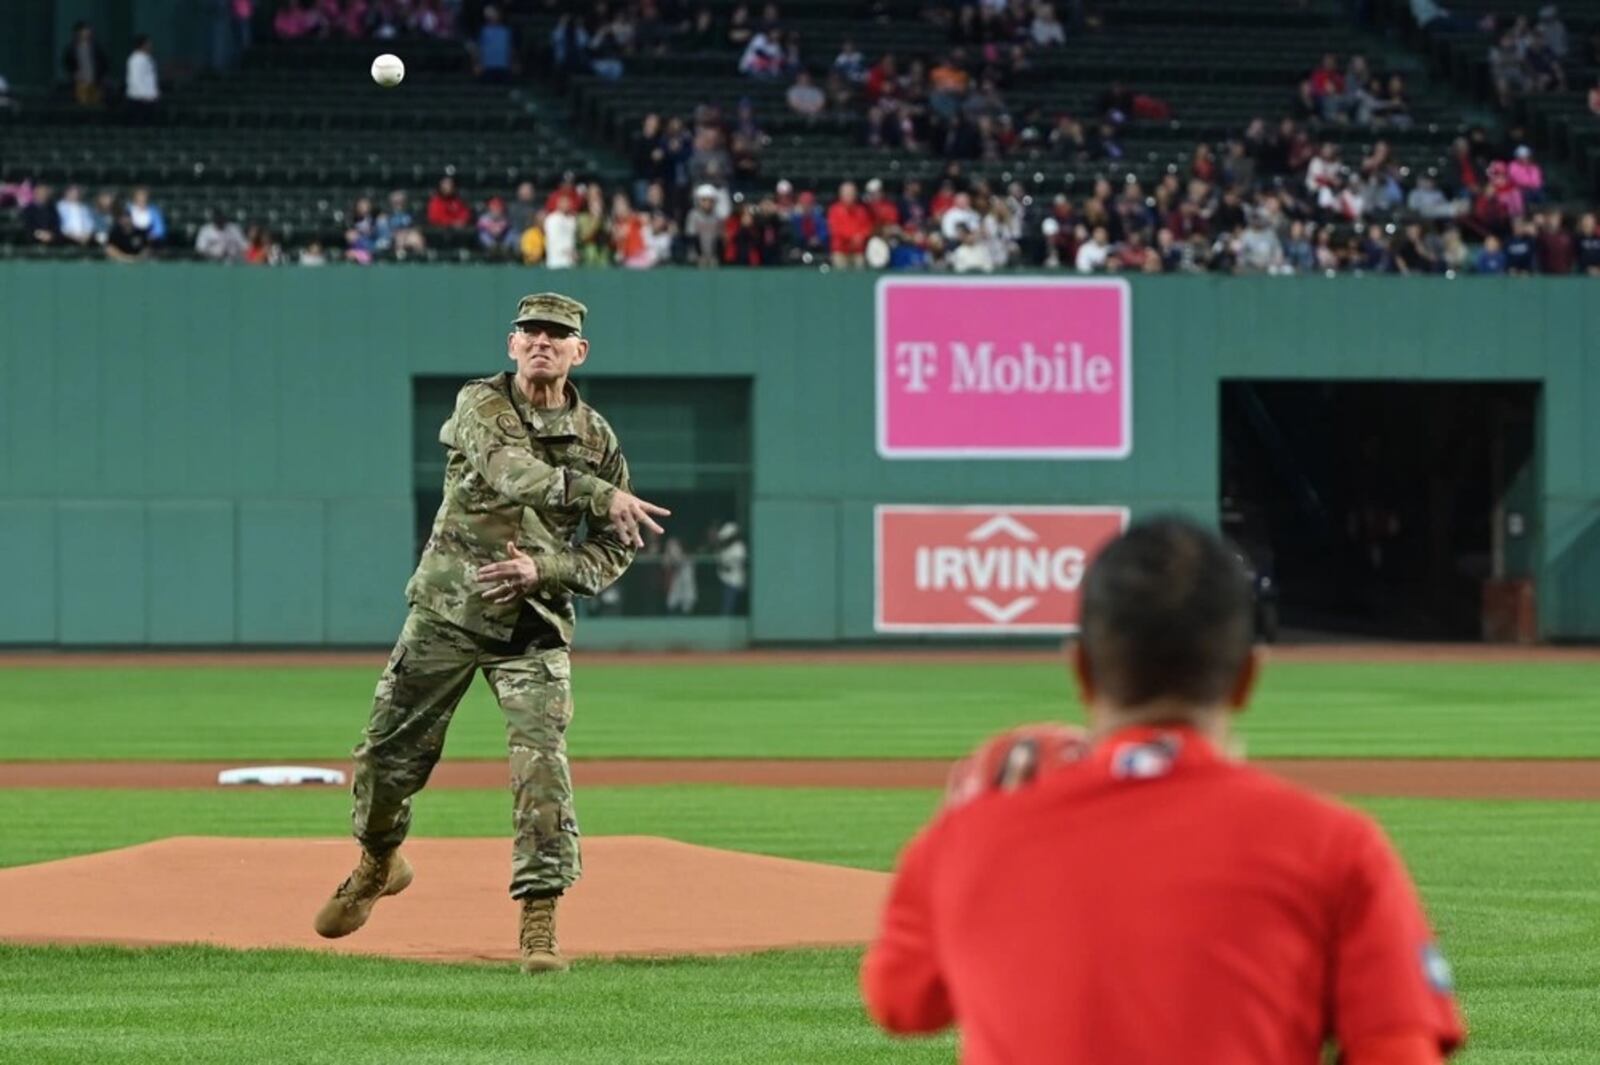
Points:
(387, 70)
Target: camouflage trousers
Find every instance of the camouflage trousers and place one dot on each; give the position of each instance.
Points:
(431, 668)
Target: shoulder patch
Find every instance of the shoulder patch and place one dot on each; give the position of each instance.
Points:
(511, 425)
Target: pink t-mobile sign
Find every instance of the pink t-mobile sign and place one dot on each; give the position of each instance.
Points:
(1004, 368)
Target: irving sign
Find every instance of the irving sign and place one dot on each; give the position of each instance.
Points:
(986, 569)
(1014, 368)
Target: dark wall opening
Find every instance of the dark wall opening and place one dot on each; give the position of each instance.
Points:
(688, 445)
(1383, 509)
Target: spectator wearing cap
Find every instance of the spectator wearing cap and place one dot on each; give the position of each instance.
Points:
(495, 235)
(808, 225)
(1059, 229)
(1527, 175)
(885, 213)
(561, 236)
(850, 223)
(1506, 192)
(703, 227)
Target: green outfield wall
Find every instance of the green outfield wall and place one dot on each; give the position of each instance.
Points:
(208, 455)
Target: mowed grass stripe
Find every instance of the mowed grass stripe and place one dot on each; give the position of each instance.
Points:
(1513, 889)
(202, 1006)
(780, 711)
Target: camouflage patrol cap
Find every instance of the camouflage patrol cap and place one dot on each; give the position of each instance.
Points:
(551, 307)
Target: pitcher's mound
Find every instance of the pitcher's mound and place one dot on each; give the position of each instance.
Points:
(638, 895)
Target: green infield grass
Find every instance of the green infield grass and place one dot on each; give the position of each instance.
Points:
(731, 710)
(1513, 889)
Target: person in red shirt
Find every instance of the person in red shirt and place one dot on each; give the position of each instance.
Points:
(565, 193)
(1137, 894)
(849, 227)
(446, 208)
(885, 212)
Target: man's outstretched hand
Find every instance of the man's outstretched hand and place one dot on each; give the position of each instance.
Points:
(628, 512)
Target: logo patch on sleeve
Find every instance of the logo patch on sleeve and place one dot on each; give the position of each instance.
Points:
(511, 425)
(1436, 970)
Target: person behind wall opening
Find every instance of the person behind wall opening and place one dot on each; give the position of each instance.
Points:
(1134, 893)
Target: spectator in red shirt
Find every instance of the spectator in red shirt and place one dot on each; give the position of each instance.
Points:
(446, 208)
(885, 213)
(565, 193)
(849, 227)
(1327, 87)
(1141, 895)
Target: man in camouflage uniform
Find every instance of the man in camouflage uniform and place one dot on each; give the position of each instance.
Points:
(528, 463)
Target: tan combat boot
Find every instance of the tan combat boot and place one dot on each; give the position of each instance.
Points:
(540, 954)
(353, 900)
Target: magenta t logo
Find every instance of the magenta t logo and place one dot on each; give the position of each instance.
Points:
(1014, 368)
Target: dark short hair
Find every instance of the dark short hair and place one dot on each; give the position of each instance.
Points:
(1167, 614)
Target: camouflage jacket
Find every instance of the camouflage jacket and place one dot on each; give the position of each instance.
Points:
(533, 476)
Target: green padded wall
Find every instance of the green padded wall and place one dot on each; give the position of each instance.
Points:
(193, 454)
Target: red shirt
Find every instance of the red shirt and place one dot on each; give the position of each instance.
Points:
(1156, 902)
(849, 226)
(448, 211)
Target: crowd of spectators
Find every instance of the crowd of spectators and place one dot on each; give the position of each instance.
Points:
(381, 20)
(1271, 199)
(1273, 208)
(601, 38)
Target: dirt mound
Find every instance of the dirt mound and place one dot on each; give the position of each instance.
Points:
(263, 892)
